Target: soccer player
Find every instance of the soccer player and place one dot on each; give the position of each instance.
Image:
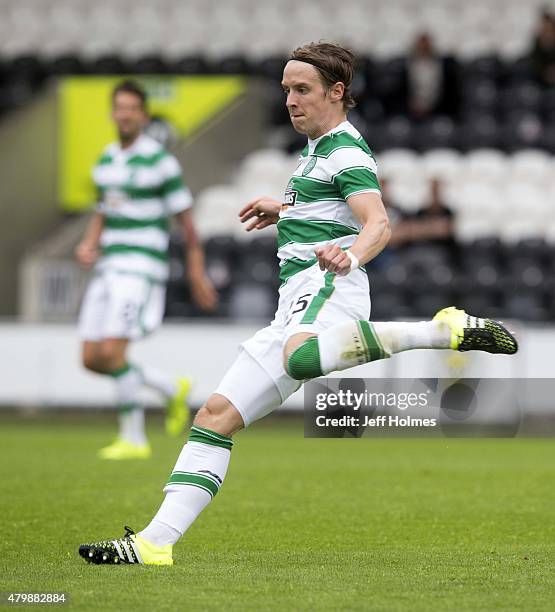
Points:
(331, 223)
(140, 188)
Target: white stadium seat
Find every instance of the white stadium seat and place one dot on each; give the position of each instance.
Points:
(525, 201)
(409, 195)
(216, 210)
(479, 201)
(485, 165)
(398, 163)
(530, 166)
(443, 164)
(469, 230)
(513, 231)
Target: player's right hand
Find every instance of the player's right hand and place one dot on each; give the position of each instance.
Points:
(86, 254)
(264, 211)
(332, 258)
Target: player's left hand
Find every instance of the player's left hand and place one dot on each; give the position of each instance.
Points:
(333, 259)
(203, 292)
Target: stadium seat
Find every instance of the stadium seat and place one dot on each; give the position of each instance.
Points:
(522, 129)
(191, 64)
(513, 231)
(149, 64)
(216, 211)
(409, 193)
(548, 105)
(220, 254)
(488, 165)
(525, 306)
(486, 67)
(530, 166)
(470, 229)
(233, 64)
(398, 163)
(108, 64)
(523, 96)
(481, 132)
(548, 138)
(480, 95)
(443, 164)
(436, 133)
(390, 305)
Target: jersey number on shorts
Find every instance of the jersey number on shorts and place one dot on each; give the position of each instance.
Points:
(298, 306)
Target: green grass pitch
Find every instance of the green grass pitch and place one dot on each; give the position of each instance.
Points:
(370, 524)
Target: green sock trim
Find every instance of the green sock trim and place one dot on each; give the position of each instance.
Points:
(304, 361)
(121, 371)
(207, 436)
(206, 481)
(374, 348)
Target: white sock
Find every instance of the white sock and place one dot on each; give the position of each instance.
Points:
(131, 414)
(196, 478)
(398, 336)
(353, 343)
(157, 380)
(132, 426)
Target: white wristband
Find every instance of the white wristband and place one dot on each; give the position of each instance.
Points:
(355, 263)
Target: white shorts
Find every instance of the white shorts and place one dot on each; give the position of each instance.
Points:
(120, 305)
(311, 301)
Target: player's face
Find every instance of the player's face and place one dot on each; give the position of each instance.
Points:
(128, 115)
(308, 102)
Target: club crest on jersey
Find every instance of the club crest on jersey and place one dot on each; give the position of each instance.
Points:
(290, 197)
(310, 165)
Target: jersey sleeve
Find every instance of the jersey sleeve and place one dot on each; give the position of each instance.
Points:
(353, 171)
(176, 194)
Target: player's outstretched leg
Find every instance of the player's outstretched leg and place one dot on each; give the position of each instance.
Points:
(353, 343)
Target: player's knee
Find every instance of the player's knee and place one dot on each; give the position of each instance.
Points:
(89, 362)
(89, 359)
(220, 415)
(301, 358)
(107, 358)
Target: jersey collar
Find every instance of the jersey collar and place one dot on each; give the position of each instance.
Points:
(129, 151)
(344, 125)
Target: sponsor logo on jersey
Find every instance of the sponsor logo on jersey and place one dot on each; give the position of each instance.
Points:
(290, 197)
(310, 165)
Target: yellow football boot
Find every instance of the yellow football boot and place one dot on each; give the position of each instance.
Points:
(129, 549)
(470, 333)
(121, 450)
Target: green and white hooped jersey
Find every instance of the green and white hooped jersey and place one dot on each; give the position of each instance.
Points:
(331, 168)
(139, 188)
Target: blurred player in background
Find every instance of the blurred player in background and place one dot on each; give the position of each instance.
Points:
(331, 223)
(140, 188)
